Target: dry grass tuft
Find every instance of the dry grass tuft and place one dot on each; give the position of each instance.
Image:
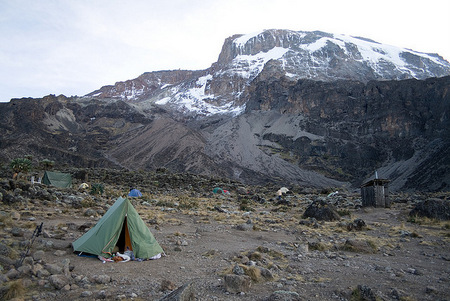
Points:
(255, 256)
(88, 202)
(6, 220)
(359, 246)
(210, 253)
(253, 272)
(15, 290)
(271, 253)
(317, 246)
(174, 222)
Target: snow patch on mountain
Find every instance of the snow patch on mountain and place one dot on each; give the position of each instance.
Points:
(249, 66)
(197, 100)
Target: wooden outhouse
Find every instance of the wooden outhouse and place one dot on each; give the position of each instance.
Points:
(375, 193)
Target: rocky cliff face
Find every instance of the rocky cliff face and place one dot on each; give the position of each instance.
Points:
(280, 106)
(347, 130)
(323, 134)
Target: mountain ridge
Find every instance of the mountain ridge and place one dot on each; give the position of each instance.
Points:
(249, 119)
(293, 54)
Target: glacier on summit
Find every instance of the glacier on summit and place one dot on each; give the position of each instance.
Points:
(299, 55)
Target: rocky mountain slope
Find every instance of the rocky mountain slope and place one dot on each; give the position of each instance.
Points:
(309, 108)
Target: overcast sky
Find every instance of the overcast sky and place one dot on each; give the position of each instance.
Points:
(74, 47)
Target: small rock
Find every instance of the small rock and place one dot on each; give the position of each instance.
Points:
(430, 290)
(17, 232)
(47, 234)
(363, 292)
(25, 269)
(244, 227)
(74, 287)
(38, 255)
(53, 269)
(237, 270)
(90, 212)
(15, 216)
(167, 285)
(12, 274)
(185, 292)
(58, 281)
(101, 279)
(42, 273)
(356, 225)
(102, 294)
(66, 287)
(86, 294)
(245, 259)
(5, 250)
(60, 253)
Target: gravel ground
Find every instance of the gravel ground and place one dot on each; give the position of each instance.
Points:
(391, 258)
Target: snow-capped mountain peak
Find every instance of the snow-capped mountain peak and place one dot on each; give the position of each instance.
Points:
(299, 55)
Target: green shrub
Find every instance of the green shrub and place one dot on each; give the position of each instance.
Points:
(46, 163)
(245, 205)
(97, 188)
(20, 165)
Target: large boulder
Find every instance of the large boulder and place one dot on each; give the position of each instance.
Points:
(237, 283)
(321, 210)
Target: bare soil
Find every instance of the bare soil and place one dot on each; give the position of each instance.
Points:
(403, 260)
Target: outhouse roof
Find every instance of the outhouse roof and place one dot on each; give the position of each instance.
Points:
(376, 182)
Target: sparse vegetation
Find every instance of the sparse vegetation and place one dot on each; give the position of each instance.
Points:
(19, 165)
(344, 212)
(245, 205)
(88, 202)
(15, 290)
(46, 164)
(97, 188)
(209, 235)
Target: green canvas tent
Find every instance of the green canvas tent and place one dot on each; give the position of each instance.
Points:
(58, 179)
(121, 226)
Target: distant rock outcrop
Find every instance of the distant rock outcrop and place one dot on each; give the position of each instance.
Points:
(432, 208)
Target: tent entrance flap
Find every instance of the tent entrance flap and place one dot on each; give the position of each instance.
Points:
(119, 228)
(124, 241)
